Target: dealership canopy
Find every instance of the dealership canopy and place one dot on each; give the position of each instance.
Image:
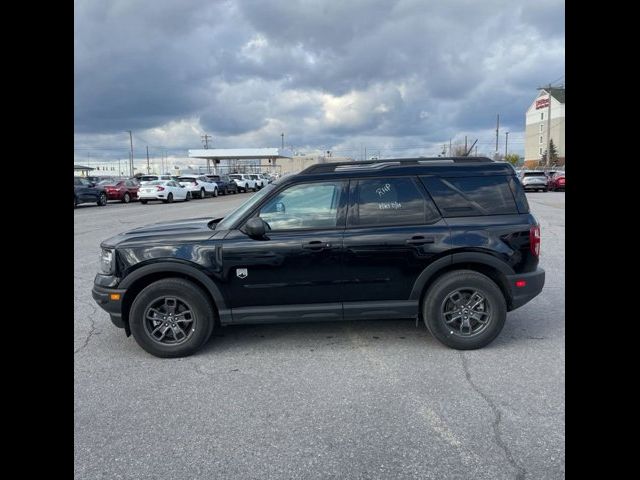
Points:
(240, 153)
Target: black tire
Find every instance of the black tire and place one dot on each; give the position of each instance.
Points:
(170, 198)
(437, 298)
(126, 198)
(102, 199)
(188, 197)
(75, 201)
(203, 193)
(144, 202)
(188, 294)
(215, 192)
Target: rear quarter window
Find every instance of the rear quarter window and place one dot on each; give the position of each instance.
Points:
(472, 196)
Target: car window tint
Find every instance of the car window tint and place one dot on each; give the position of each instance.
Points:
(472, 196)
(304, 206)
(391, 201)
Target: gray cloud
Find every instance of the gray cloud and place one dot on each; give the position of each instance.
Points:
(330, 74)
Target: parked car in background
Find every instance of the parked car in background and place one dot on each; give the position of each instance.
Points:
(123, 190)
(85, 191)
(225, 184)
(556, 181)
(260, 182)
(243, 181)
(534, 180)
(164, 190)
(150, 178)
(199, 185)
(268, 178)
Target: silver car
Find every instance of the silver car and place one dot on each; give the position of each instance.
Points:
(533, 180)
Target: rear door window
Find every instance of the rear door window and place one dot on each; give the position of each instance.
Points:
(390, 201)
(472, 196)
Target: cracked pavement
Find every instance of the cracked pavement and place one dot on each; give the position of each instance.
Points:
(358, 400)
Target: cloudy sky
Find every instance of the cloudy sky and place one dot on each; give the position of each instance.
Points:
(399, 77)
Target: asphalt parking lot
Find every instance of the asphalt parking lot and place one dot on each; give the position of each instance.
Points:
(360, 400)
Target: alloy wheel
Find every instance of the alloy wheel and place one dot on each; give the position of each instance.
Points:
(466, 312)
(169, 321)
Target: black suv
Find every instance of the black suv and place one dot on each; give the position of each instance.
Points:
(447, 240)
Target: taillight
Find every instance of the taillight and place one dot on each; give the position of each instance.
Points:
(159, 189)
(534, 240)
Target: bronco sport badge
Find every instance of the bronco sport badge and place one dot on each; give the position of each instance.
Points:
(241, 272)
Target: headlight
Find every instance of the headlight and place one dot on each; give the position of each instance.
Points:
(107, 261)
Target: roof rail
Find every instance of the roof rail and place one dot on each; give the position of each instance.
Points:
(390, 162)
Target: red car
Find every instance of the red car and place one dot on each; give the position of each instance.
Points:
(556, 182)
(123, 190)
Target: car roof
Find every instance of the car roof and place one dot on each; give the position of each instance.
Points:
(439, 166)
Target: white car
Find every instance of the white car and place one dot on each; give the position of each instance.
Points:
(199, 186)
(260, 181)
(244, 182)
(164, 190)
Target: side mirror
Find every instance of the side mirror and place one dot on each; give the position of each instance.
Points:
(255, 227)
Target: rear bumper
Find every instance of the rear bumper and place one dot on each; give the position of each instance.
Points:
(102, 296)
(534, 282)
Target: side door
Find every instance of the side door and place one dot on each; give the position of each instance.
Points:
(294, 272)
(132, 188)
(394, 231)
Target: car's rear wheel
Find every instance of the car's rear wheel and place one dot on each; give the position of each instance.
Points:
(171, 318)
(126, 198)
(144, 202)
(102, 199)
(170, 198)
(464, 310)
(215, 192)
(203, 193)
(188, 197)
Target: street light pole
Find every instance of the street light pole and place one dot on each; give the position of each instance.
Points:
(131, 154)
(506, 143)
(282, 135)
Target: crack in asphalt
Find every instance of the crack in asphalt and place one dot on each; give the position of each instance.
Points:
(91, 330)
(497, 413)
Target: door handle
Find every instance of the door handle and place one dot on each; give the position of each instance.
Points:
(420, 240)
(316, 245)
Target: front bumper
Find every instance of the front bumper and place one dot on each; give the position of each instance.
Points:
(534, 282)
(105, 298)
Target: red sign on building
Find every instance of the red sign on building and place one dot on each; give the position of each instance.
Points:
(542, 103)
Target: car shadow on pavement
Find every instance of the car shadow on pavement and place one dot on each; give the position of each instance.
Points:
(319, 336)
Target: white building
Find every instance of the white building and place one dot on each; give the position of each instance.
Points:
(536, 126)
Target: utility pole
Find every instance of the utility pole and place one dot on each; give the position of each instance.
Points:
(497, 130)
(450, 154)
(205, 140)
(548, 90)
(465, 143)
(506, 143)
(282, 135)
(365, 153)
(148, 171)
(131, 154)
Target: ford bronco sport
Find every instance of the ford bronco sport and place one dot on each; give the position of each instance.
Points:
(449, 241)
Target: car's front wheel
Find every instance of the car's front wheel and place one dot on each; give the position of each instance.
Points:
(464, 309)
(102, 199)
(203, 193)
(171, 318)
(126, 198)
(215, 192)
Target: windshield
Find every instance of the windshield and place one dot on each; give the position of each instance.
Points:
(187, 179)
(157, 182)
(228, 221)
